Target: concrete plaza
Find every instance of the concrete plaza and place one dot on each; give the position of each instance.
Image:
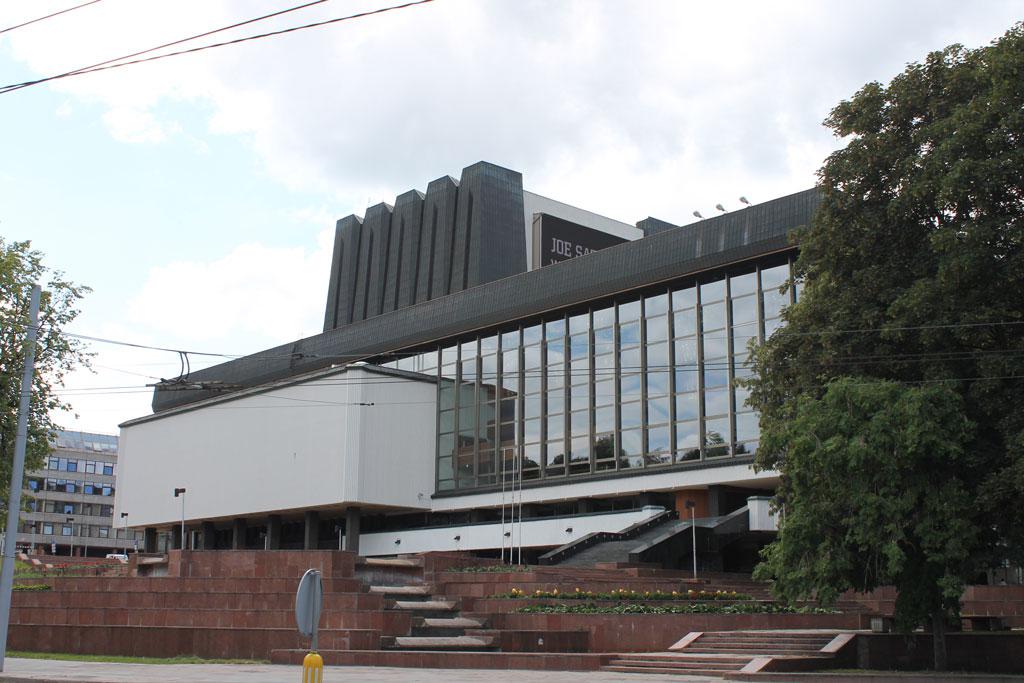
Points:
(53, 671)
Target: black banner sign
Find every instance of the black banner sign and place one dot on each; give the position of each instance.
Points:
(556, 239)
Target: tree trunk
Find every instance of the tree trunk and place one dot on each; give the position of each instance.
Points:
(939, 639)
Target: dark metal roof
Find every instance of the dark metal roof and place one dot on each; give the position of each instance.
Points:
(668, 255)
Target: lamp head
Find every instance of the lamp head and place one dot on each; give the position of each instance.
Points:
(178, 492)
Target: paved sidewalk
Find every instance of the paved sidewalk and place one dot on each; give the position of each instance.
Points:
(53, 671)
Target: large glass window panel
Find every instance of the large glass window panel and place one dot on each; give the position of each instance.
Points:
(684, 298)
(631, 449)
(604, 340)
(604, 419)
(467, 394)
(629, 360)
(747, 427)
(554, 329)
(715, 375)
(629, 310)
(743, 284)
(604, 448)
(655, 305)
(684, 322)
(579, 397)
(713, 315)
(686, 378)
(604, 317)
(579, 460)
(657, 356)
(579, 323)
(716, 345)
(712, 291)
(775, 277)
(531, 335)
(446, 445)
(556, 376)
(687, 406)
(604, 365)
(716, 437)
(447, 421)
(556, 351)
(687, 441)
(716, 402)
(531, 358)
(742, 336)
(446, 395)
(770, 326)
(556, 400)
(556, 426)
(555, 459)
(630, 388)
(532, 383)
(531, 459)
(659, 440)
(744, 310)
(604, 392)
(531, 430)
(686, 351)
(449, 355)
(629, 334)
(580, 422)
(657, 328)
(774, 302)
(632, 415)
(489, 343)
(531, 406)
(579, 370)
(489, 368)
(657, 381)
(658, 410)
(579, 346)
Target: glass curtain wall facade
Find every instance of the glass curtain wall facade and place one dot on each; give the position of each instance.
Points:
(641, 383)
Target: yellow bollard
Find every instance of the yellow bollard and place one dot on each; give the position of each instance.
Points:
(313, 668)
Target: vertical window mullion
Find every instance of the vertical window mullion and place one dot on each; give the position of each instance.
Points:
(701, 412)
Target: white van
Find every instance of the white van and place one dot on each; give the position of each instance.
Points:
(117, 556)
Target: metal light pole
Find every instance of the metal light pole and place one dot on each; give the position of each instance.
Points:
(71, 521)
(124, 516)
(18, 471)
(691, 506)
(181, 492)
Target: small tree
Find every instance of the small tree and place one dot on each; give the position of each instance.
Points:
(913, 287)
(56, 354)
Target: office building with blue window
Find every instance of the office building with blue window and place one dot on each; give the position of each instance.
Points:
(498, 373)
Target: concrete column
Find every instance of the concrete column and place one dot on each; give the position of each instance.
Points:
(352, 530)
(176, 537)
(149, 540)
(311, 538)
(274, 532)
(716, 501)
(209, 536)
(238, 534)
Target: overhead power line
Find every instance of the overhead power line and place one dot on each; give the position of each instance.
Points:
(119, 62)
(160, 47)
(48, 16)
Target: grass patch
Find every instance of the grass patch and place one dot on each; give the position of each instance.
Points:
(118, 659)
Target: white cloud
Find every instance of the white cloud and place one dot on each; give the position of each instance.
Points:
(256, 293)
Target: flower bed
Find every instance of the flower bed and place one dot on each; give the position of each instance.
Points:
(491, 568)
(623, 594)
(690, 608)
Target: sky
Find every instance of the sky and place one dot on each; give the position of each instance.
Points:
(197, 195)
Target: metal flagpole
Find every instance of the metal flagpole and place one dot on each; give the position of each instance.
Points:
(17, 473)
(502, 464)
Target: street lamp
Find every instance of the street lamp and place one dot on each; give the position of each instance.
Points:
(691, 506)
(71, 521)
(181, 492)
(124, 516)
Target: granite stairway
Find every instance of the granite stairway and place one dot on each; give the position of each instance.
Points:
(437, 624)
(718, 653)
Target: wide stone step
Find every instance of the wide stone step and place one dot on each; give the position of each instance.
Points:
(663, 670)
(681, 657)
(454, 622)
(680, 664)
(392, 561)
(426, 605)
(799, 642)
(401, 590)
(752, 652)
(438, 642)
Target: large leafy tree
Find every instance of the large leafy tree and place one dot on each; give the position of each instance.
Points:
(903, 361)
(56, 354)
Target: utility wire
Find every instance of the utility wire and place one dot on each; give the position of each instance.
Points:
(103, 66)
(159, 47)
(48, 16)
